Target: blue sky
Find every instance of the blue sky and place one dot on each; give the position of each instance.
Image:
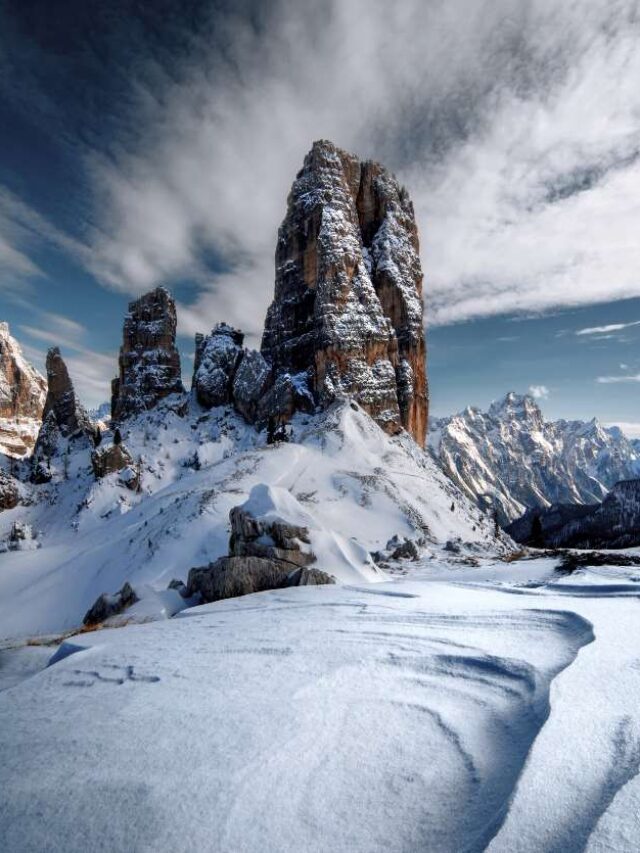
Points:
(145, 144)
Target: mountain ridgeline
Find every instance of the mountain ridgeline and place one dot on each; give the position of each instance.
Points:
(511, 458)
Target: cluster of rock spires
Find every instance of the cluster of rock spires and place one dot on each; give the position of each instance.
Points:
(346, 319)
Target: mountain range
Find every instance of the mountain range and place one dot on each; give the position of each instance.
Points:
(512, 459)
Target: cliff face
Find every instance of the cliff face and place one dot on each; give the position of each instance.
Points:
(22, 395)
(149, 361)
(346, 319)
(63, 415)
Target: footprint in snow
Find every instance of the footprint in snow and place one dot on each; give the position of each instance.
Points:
(113, 675)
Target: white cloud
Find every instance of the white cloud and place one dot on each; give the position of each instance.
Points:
(612, 380)
(630, 429)
(514, 124)
(539, 392)
(604, 330)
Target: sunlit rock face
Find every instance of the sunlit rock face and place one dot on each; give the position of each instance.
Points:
(22, 395)
(347, 316)
(149, 361)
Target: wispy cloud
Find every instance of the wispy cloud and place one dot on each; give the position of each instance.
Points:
(606, 330)
(539, 392)
(91, 371)
(612, 380)
(514, 124)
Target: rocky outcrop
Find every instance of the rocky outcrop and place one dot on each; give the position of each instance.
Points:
(63, 416)
(273, 539)
(266, 550)
(22, 395)
(9, 492)
(149, 361)
(217, 358)
(229, 577)
(61, 403)
(115, 458)
(110, 605)
(346, 319)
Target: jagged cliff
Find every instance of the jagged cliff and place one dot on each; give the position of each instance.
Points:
(64, 415)
(149, 361)
(346, 318)
(511, 456)
(22, 396)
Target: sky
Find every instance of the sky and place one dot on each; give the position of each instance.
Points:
(155, 143)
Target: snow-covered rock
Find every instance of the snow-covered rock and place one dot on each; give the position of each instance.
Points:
(346, 318)
(511, 456)
(22, 396)
(64, 416)
(149, 361)
(9, 491)
(217, 358)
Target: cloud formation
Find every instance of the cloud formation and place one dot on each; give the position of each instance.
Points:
(514, 124)
(539, 392)
(605, 330)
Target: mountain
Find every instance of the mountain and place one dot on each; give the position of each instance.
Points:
(614, 523)
(22, 396)
(512, 456)
(124, 513)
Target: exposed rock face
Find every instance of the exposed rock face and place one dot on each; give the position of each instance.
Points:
(62, 406)
(113, 459)
(510, 454)
(9, 492)
(346, 319)
(149, 360)
(22, 395)
(266, 551)
(110, 605)
(273, 539)
(216, 362)
(229, 577)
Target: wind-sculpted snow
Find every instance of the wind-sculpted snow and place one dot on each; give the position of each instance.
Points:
(332, 720)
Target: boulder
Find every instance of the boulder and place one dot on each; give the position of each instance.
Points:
(149, 362)
(112, 459)
(9, 492)
(110, 605)
(269, 538)
(229, 577)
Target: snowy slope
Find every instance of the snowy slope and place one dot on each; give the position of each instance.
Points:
(355, 481)
(451, 710)
(510, 454)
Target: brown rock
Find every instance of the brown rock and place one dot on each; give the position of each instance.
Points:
(22, 395)
(346, 319)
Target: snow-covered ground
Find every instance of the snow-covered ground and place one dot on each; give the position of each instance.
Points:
(451, 709)
(360, 488)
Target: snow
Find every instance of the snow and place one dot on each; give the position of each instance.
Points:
(452, 709)
(359, 486)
